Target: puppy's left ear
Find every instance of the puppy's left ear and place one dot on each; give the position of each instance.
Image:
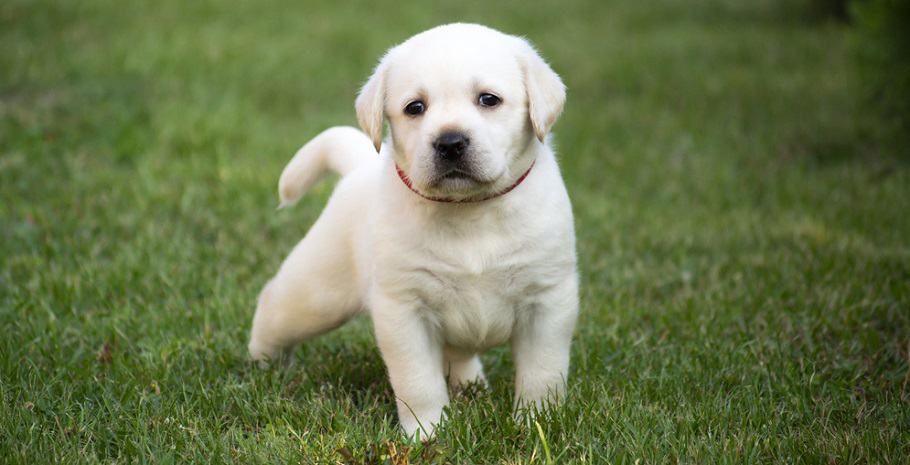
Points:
(546, 92)
(370, 104)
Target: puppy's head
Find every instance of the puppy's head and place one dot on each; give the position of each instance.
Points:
(463, 103)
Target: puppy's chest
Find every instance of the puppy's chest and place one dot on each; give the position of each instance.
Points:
(476, 299)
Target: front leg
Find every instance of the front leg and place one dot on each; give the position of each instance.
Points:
(541, 344)
(413, 355)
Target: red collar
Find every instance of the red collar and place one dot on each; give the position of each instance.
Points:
(407, 182)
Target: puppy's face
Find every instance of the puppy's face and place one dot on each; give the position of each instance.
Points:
(457, 113)
(463, 103)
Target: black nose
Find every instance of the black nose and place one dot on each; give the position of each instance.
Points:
(451, 145)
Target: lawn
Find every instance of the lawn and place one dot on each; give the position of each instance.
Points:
(744, 237)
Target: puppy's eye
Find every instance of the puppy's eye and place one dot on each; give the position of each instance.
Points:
(415, 108)
(489, 100)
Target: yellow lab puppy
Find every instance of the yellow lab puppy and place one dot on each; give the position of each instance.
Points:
(458, 236)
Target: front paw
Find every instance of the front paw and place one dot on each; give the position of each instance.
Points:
(530, 403)
(417, 431)
(419, 426)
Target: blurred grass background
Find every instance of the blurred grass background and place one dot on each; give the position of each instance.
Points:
(741, 208)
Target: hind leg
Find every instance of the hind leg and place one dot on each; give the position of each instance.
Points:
(314, 291)
(463, 368)
(287, 315)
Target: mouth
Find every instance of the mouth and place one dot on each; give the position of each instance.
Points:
(456, 174)
(456, 178)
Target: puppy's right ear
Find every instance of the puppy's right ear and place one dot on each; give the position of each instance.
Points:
(370, 104)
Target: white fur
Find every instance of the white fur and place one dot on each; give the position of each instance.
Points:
(442, 281)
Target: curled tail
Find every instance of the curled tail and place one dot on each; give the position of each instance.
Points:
(340, 149)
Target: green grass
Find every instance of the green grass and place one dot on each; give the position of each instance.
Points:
(743, 237)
